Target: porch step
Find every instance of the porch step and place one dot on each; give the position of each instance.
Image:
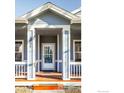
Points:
(48, 87)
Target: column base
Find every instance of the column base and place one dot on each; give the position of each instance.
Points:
(65, 78)
(30, 78)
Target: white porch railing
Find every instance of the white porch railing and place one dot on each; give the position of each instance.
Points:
(20, 70)
(75, 69)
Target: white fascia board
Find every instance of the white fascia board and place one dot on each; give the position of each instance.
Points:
(51, 6)
(21, 20)
(75, 21)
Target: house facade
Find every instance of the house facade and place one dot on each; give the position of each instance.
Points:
(48, 39)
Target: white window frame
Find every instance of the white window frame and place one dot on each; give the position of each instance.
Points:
(21, 40)
(74, 48)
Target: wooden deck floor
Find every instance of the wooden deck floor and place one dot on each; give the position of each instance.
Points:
(48, 77)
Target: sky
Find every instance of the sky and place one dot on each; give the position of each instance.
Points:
(23, 6)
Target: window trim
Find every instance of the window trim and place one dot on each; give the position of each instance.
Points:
(75, 40)
(21, 40)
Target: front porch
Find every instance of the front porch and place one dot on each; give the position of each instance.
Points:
(67, 65)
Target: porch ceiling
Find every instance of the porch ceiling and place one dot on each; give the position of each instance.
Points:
(48, 31)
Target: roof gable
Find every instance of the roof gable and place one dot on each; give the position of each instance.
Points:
(52, 7)
(49, 18)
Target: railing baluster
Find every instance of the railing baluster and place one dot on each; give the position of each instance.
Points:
(20, 69)
(79, 71)
(70, 69)
(17, 70)
(23, 70)
(75, 69)
(35, 67)
(38, 64)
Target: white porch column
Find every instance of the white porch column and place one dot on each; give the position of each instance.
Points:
(66, 53)
(31, 54)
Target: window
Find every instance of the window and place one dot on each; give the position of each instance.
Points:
(19, 50)
(77, 50)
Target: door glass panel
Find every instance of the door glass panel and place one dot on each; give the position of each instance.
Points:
(50, 51)
(48, 58)
(47, 50)
(48, 54)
